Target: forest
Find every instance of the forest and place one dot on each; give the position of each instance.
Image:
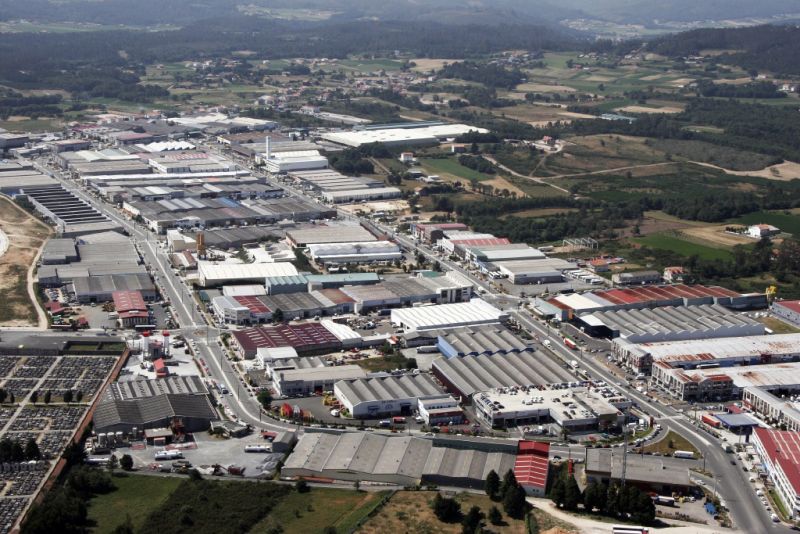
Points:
(487, 74)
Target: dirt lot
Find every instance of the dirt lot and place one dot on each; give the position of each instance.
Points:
(544, 88)
(786, 171)
(426, 64)
(645, 109)
(716, 235)
(26, 235)
(500, 183)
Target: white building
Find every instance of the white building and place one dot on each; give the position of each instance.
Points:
(759, 231)
(367, 252)
(779, 451)
(301, 160)
(440, 409)
(474, 312)
(210, 274)
(315, 380)
(356, 195)
(412, 134)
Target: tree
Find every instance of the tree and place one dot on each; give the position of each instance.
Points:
(644, 510)
(495, 517)
(11, 398)
(32, 450)
(113, 462)
(126, 462)
(509, 481)
(277, 316)
(612, 507)
(492, 485)
(446, 509)
(472, 520)
(34, 397)
(514, 502)
(594, 496)
(17, 452)
(124, 528)
(557, 491)
(329, 530)
(302, 486)
(3, 395)
(68, 396)
(265, 398)
(47, 396)
(572, 493)
(79, 396)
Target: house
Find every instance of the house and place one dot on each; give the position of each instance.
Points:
(598, 266)
(759, 231)
(407, 157)
(549, 140)
(675, 274)
(458, 149)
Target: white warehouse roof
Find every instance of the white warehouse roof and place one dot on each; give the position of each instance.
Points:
(474, 312)
(209, 272)
(409, 135)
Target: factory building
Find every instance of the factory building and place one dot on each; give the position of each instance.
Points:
(577, 406)
(670, 323)
(314, 380)
(480, 340)
(534, 271)
(240, 310)
(101, 288)
(378, 396)
(309, 338)
(131, 308)
(397, 460)
(440, 410)
(433, 232)
(295, 305)
(245, 290)
(275, 365)
(300, 160)
(328, 234)
(405, 134)
(636, 278)
(779, 451)
(275, 285)
(364, 252)
(463, 377)
(709, 353)
(788, 310)
(650, 474)
(783, 410)
(338, 280)
(492, 251)
(212, 274)
(474, 312)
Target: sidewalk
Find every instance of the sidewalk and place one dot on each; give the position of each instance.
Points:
(589, 526)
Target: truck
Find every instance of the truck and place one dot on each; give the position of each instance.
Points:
(573, 364)
(546, 343)
(689, 455)
(168, 455)
(398, 420)
(259, 447)
(664, 500)
(570, 344)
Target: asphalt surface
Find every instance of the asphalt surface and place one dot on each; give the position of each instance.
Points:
(732, 483)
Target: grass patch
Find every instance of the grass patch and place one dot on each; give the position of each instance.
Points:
(670, 443)
(778, 504)
(683, 247)
(777, 326)
(136, 496)
(783, 220)
(312, 512)
(451, 168)
(721, 156)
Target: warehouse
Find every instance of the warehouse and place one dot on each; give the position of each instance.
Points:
(535, 271)
(241, 310)
(144, 404)
(335, 281)
(722, 383)
(246, 290)
(636, 278)
(491, 253)
(385, 459)
(335, 301)
(309, 338)
(300, 160)
(480, 340)
(349, 337)
(101, 288)
(450, 288)
(368, 398)
(367, 298)
(474, 312)
(779, 451)
(364, 252)
(131, 307)
(71, 215)
(406, 134)
(217, 274)
(289, 208)
(433, 232)
(358, 195)
(576, 406)
(777, 411)
(565, 307)
(440, 410)
(466, 376)
(788, 310)
(705, 353)
(59, 251)
(275, 285)
(328, 233)
(650, 474)
(276, 365)
(670, 323)
(294, 305)
(315, 380)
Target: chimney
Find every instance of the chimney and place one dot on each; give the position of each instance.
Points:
(165, 350)
(268, 153)
(145, 345)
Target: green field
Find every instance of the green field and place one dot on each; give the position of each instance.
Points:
(683, 247)
(135, 496)
(451, 168)
(786, 222)
(312, 512)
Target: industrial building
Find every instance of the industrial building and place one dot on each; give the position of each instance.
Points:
(338, 280)
(275, 285)
(210, 274)
(327, 234)
(648, 473)
(636, 278)
(274, 365)
(779, 451)
(707, 353)
(337, 188)
(723, 383)
(577, 406)
(131, 308)
(101, 288)
(534, 271)
(463, 377)
(71, 215)
(245, 290)
(300, 160)
(241, 310)
(493, 251)
(405, 134)
(670, 323)
(788, 310)
(364, 252)
(161, 215)
(295, 305)
(433, 232)
(313, 380)
(180, 402)
(778, 407)
(308, 338)
(441, 409)
(14, 177)
(60, 265)
(566, 307)
(403, 461)
(485, 340)
(379, 396)
(474, 312)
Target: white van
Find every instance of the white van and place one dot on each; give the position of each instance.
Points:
(258, 448)
(168, 455)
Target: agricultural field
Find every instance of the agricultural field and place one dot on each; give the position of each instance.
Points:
(26, 236)
(136, 496)
(788, 222)
(599, 153)
(676, 242)
(450, 169)
(703, 152)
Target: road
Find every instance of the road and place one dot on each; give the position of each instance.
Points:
(747, 511)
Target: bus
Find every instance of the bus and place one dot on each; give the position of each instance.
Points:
(628, 529)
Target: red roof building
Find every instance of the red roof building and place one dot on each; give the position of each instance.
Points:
(788, 310)
(779, 451)
(126, 301)
(258, 310)
(532, 465)
(306, 338)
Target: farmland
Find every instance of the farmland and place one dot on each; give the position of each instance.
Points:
(449, 168)
(673, 241)
(786, 221)
(135, 497)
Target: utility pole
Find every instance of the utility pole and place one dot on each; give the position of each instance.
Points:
(624, 449)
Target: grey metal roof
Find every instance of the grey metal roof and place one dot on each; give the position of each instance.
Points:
(134, 389)
(488, 339)
(388, 388)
